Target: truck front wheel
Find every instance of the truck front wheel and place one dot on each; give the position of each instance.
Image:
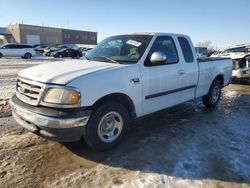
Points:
(213, 97)
(107, 126)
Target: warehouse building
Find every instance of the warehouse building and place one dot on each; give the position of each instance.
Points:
(5, 36)
(32, 34)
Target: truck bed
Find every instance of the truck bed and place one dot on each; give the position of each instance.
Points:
(206, 59)
(208, 71)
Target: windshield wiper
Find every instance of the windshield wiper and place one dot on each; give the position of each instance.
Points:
(105, 58)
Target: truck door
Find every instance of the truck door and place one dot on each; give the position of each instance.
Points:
(190, 69)
(161, 82)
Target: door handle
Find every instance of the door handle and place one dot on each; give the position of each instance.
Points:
(180, 72)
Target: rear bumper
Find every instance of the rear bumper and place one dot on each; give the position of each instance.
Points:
(63, 126)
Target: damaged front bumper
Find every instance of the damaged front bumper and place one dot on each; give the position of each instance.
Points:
(65, 125)
(241, 73)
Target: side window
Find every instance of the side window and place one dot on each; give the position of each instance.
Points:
(166, 45)
(6, 47)
(26, 46)
(11, 46)
(186, 49)
(18, 46)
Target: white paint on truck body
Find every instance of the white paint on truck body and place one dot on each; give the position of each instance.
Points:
(98, 79)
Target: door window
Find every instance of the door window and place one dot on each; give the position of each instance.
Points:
(6, 47)
(166, 45)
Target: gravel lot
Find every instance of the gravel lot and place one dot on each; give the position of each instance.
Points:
(184, 146)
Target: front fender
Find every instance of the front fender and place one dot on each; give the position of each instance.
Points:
(96, 85)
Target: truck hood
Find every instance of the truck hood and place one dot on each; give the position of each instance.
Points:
(62, 72)
(237, 55)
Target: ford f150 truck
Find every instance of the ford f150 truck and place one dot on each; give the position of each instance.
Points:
(123, 78)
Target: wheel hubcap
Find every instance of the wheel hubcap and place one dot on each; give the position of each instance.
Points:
(216, 94)
(110, 127)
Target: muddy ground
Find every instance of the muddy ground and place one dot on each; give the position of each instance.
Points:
(184, 146)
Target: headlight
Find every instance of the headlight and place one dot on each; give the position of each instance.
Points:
(63, 96)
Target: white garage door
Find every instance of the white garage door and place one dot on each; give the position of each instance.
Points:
(33, 39)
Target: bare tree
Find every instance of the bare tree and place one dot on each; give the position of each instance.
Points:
(206, 44)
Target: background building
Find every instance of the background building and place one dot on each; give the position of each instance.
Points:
(5, 35)
(32, 34)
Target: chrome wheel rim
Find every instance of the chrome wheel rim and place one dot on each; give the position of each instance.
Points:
(110, 127)
(216, 94)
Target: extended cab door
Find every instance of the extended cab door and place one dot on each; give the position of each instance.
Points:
(162, 83)
(190, 71)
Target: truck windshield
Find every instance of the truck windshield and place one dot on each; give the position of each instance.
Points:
(120, 49)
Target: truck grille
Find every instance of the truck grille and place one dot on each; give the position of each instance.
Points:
(28, 92)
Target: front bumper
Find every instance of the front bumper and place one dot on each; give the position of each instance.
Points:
(65, 125)
(242, 73)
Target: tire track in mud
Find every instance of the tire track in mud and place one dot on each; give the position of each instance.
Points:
(27, 160)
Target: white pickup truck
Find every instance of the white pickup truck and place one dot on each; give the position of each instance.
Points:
(123, 78)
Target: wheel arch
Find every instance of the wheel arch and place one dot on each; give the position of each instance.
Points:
(121, 98)
(220, 78)
(27, 53)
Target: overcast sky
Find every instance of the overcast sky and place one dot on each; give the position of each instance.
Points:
(223, 22)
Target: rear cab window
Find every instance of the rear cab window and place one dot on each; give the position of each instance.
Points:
(186, 49)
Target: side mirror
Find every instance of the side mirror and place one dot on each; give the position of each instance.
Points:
(158, 57)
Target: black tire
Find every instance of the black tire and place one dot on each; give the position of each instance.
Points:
(27, 56)
(1, 55)
(93, 135)
(213, 97)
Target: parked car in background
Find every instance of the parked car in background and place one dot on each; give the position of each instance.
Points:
(124, 77)
(36, 45)
(40, 48)
(49, 50)
(67, 52)
(215, 54)
(240, 55)
(86, 51)
(201, 51)
(17, 50)
(82, 49)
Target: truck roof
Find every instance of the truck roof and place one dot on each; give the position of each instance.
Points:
(239, 45)
(154, 33)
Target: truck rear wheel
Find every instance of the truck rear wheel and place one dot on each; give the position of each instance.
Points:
(107, 126)
(213, 97)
